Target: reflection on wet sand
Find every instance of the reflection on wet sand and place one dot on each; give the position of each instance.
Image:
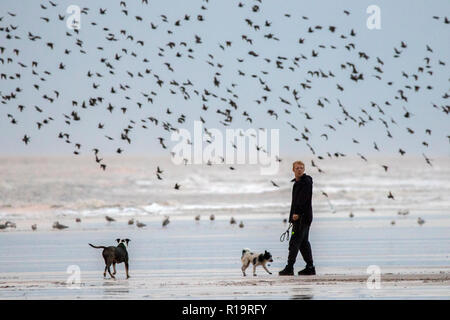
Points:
(303, 293)
(114, 288)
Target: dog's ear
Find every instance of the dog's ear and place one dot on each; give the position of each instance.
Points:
(118, 240)
(127, 240)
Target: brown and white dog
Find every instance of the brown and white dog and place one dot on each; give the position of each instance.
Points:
(256, 259)
(113, 255)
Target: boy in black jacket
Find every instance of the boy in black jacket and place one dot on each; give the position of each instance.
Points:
(301, 217)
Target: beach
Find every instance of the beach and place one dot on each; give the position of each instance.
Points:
(201, 260)
(189, 259)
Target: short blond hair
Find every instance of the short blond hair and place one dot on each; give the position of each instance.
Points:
(297, 162)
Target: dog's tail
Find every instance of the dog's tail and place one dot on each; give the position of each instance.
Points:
(97, 247)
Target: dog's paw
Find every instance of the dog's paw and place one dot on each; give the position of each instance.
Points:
(270, 272)
(254, 274)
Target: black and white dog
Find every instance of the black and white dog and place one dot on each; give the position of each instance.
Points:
(113, 255)
(255, 258)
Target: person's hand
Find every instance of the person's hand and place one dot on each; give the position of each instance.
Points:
(295, 217)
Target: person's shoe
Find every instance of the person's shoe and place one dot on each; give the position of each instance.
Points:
(308, 271)
(287, 271)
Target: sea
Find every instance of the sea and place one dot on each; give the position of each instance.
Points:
(344, 188)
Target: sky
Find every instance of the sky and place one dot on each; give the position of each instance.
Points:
(409, 21)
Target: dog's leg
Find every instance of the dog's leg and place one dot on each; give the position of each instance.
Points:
(254, 270)
(243, 268)
(104, 273)
(109, 271)
(114, 268)
(265, 268)
(246, 266)
(126, 270)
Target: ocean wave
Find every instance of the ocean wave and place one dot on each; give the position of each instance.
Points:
(110, 211)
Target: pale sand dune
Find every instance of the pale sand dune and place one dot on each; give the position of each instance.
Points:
(201, 260)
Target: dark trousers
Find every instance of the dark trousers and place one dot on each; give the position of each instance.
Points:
(299, 241)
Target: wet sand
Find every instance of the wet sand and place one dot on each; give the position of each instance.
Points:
(201, 260)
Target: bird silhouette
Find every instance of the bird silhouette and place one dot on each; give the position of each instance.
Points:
(59, 226)
(140, 224)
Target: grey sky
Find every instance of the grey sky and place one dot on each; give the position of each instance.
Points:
(408, 21)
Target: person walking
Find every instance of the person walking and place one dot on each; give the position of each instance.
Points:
(301, 218)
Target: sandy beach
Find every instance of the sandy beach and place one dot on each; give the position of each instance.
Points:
(201, 260)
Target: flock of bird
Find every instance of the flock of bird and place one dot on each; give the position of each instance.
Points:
(164, 74)
(165, 222)
(109, 219)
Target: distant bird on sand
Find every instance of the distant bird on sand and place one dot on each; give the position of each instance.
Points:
(241, 225)
(7, 224)
(392, 222)
(78, 220)
(131, 221)
(420, 221)
(59, 226)
(211, 217)
(165, 222)
(109, 219)
(351, 215)
(34, 227)
(10, 224)
(403, 212)
(140, 224)
(391, 196)
(232, 221)
(197, 218)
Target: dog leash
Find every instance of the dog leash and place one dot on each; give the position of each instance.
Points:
(285, 235)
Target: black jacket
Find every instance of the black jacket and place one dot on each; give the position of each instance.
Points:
(301, 200)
